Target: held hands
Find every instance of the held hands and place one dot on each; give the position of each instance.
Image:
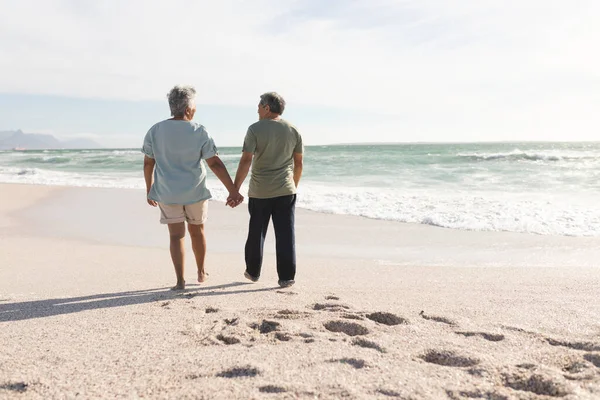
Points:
(151, 202)
(234, 199)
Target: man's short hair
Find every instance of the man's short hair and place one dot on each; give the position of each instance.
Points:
(275, 102)
(180, 98)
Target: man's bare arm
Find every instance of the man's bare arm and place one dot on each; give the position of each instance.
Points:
(298, 164)
(149, 164)
(243, 168)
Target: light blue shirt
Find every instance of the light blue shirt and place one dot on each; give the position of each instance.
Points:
(178, 147)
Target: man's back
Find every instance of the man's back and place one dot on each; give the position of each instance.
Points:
(273, 143)
(273, 147)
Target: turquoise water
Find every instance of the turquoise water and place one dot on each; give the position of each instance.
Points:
(542, 188)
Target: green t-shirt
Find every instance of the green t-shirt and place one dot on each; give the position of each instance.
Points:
(273, 143)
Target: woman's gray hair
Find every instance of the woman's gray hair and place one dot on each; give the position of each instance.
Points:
(180, 98)
(275, 102)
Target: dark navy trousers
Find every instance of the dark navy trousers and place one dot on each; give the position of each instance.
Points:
(282, 211)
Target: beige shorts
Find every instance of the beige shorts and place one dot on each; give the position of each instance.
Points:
(194, 214)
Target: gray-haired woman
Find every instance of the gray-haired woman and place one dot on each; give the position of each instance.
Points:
(176, 177)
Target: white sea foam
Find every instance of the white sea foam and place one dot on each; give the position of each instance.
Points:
(516, 154)
(528, 213)
(39, 176)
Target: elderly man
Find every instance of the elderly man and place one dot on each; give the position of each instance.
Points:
(274, 148)
(176, 177)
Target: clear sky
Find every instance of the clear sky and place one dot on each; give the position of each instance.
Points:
(350, 70)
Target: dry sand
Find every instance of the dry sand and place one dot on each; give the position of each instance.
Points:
(380, 309)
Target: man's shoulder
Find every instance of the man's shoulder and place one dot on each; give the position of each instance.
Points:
(256, 125)
(288, 124)
(269, 123)
(291, 127)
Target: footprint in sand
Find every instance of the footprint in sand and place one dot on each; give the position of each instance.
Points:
(435, 318)
(308, 338)
(584, 346)
(388, 393)
(283, 337)
(527, 366)
(519, 330)
(579, 371)
(291, 314)
(19, 387)
(576, 367)
(239, 372)
(448, 359)
(288, 293)
(354, 362)
(210, 310)
(479, 372)
(593, 358)
(492, 337)
(272, 389)
(367, 344)
(331, 298)
(474, 394)
(537, 383)
(349, 328)
(228, 339)
(266, 326)
(386, 318)
(231, 321)
(329, 307)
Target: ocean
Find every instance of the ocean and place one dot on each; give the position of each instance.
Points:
(537, 188)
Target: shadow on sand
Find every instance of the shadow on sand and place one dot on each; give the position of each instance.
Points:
(50, 307)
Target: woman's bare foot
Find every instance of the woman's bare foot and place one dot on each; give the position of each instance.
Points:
(179, 286)
(202, 276)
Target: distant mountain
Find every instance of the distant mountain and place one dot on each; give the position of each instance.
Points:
(37, 141)
(6, 134)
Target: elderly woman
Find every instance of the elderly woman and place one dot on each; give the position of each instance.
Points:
(176, 177)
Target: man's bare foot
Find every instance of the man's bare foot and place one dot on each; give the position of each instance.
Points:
(202, 276)
(179, 286)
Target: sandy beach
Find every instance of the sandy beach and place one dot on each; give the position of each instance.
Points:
(380, 309)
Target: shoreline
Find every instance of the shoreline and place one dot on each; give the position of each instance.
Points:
(219, 195)
(86, 214)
